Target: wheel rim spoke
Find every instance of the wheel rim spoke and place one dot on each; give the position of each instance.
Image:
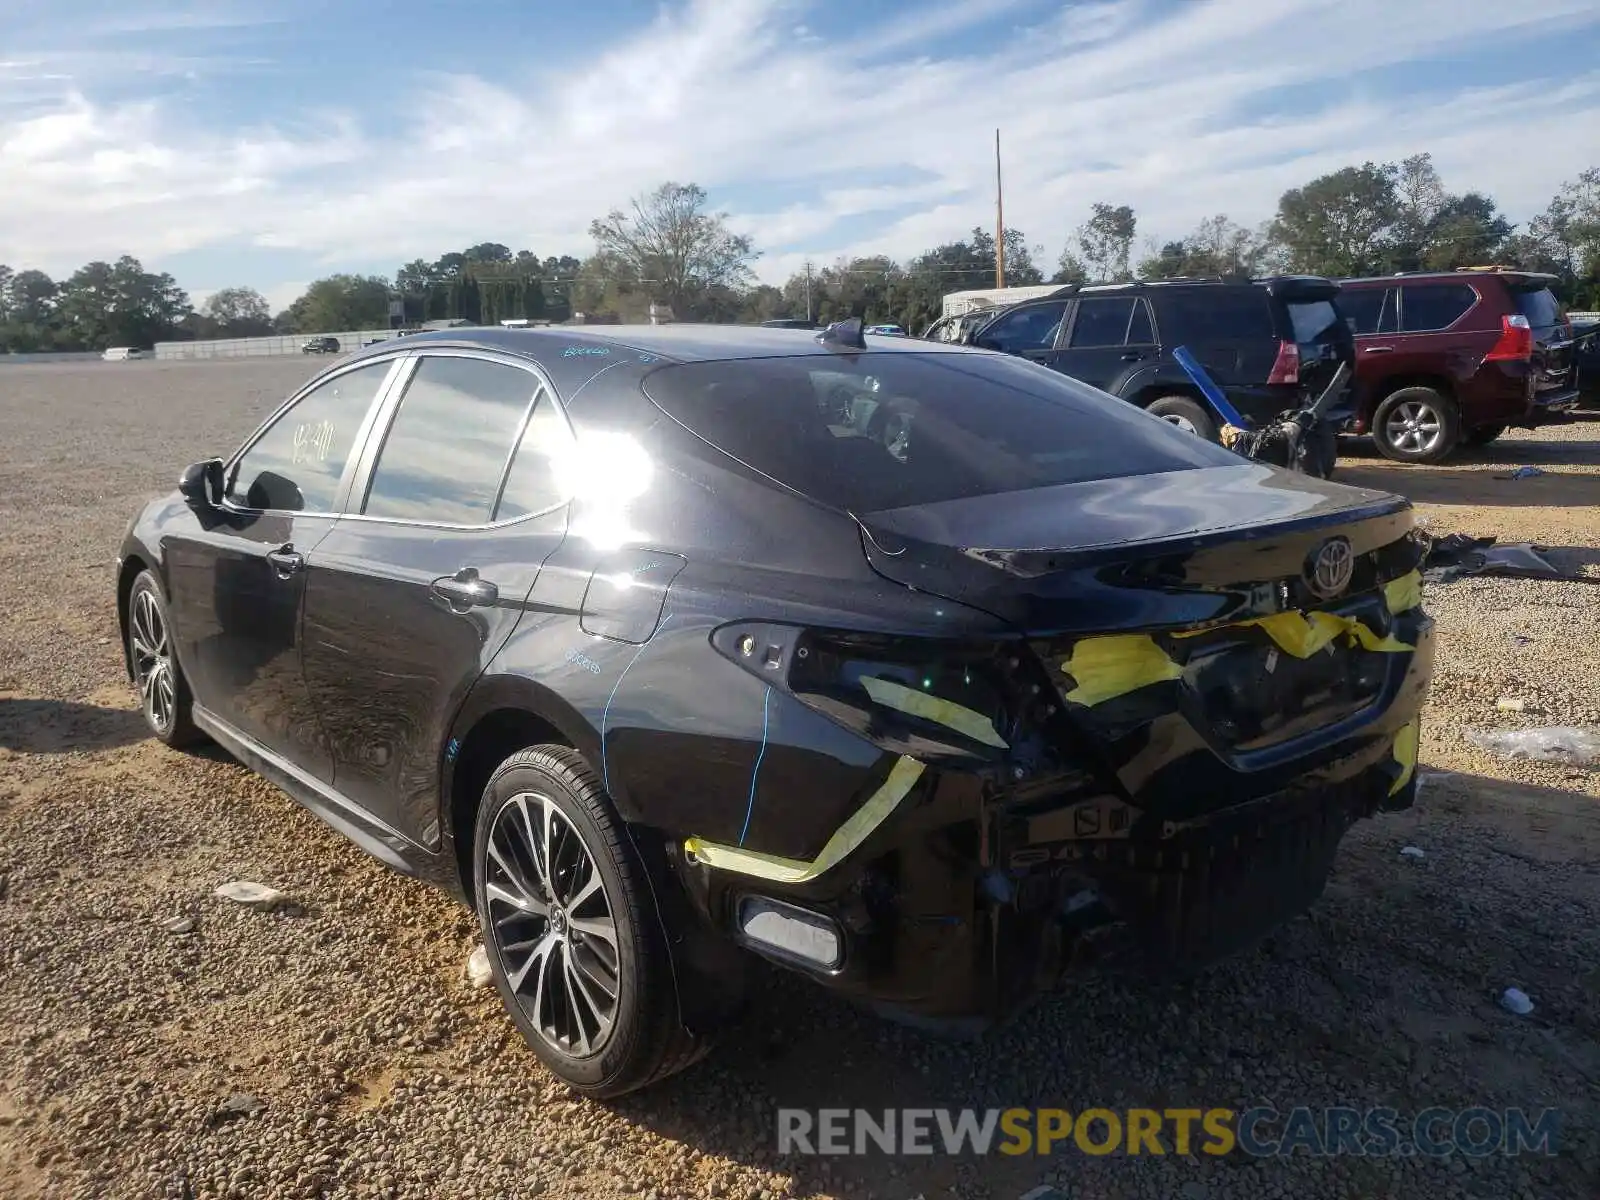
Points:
(551, 924)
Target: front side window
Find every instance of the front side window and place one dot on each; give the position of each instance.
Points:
(1031, 328)
(1427, 307)
(900, 429)
(446, 451)
(1101, 322)
(296, 465)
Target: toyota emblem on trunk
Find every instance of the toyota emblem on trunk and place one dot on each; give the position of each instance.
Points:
(1329, 570)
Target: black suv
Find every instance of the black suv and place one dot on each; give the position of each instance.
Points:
(1265, 342)
(320, 345)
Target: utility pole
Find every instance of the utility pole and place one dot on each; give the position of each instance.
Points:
(808, 289)
(999, 220)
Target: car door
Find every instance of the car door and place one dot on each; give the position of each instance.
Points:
(452, 512)
(236, 578)
(1028, 331)
(1108, 337)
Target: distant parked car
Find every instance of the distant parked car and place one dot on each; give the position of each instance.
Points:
(1265, 343)
(1452, 358)
(320, 345)
(123, 353)
(888, 330)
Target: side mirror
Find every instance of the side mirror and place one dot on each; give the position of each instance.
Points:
(201, 482)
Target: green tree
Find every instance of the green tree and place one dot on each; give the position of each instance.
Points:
(1467, 230)
(1339, 224)
(238, 312)
(1104, 245)
(119, 304)
(1217, 246)
(340, 303)
(673, 248)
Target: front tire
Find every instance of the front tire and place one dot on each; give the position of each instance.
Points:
(570, 927)
(1187, 414)
(164, 695)
(1416, 425)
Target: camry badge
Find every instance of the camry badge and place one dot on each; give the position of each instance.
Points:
(1328, 571)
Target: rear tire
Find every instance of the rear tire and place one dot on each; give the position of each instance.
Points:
(1416, 425)
(1187, 414)
(164, 695)
(588, 980)
(1482, 435)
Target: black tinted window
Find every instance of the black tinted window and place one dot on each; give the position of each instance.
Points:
(1540, 307)
(1101, 322)
(533, 484)
(446, 450)
(1313, 320)
(890, 430)
(1031, 328)
(297, 464)
(1219, 314)
(1139, 331)
(1428, 306)
(1368, 310)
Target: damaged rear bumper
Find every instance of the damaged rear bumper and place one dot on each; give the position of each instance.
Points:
(957, 895)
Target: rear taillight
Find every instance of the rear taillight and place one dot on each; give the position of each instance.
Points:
(1286, 367)
(1516, 341)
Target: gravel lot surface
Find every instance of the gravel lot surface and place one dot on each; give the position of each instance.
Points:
(334, 1048)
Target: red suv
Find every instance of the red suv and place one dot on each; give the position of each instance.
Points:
(1446, 358)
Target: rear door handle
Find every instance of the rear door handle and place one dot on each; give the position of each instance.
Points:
(1378, 349)
(1132, 356)
(464, 590)
(285, 561)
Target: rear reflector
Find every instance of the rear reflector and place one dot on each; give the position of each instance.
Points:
(1286, 367)
(791, 932)
(1516, 341)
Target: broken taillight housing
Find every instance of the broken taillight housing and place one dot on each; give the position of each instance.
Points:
(1516, 340)
(1286, 367)
(910, 695)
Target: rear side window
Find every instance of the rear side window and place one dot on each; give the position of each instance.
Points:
(1031, 328)
(1428, 307)
(883, 431)
(534, 483)
(1219, 314)
(1101, 322)
(1369, 310)
(1540, 307)
(446, 451)
(296, 465)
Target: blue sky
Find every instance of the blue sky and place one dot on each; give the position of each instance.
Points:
(267, 142)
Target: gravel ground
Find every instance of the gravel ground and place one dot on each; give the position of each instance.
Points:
(334, 1049)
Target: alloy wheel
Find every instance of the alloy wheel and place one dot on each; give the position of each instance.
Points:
(1182, 423)
(551, 923)
(153, 668)
(1414, 427)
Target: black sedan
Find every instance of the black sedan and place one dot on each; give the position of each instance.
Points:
(898, 664)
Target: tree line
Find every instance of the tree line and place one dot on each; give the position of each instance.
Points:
(669, 248)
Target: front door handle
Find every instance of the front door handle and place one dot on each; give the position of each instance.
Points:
(1378, 349)
(1132, 356)
(464, 590)
(285, 561)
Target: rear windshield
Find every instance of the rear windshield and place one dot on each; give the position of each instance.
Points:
(1313, 320)
(881, 431)
(1540, 307)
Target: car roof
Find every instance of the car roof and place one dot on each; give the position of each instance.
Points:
(674, 343)
(1461, 275)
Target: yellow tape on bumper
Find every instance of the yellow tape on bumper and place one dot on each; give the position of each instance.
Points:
(1107, 667)
(851, 834)
(931, 708)
(1405, 753)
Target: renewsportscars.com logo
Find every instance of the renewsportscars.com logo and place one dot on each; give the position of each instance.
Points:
(1259, 1132)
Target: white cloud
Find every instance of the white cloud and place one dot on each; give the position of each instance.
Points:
(1171, 112)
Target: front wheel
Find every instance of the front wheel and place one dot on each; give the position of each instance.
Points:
(163, 691)
(1416, 424)
(574, 943)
